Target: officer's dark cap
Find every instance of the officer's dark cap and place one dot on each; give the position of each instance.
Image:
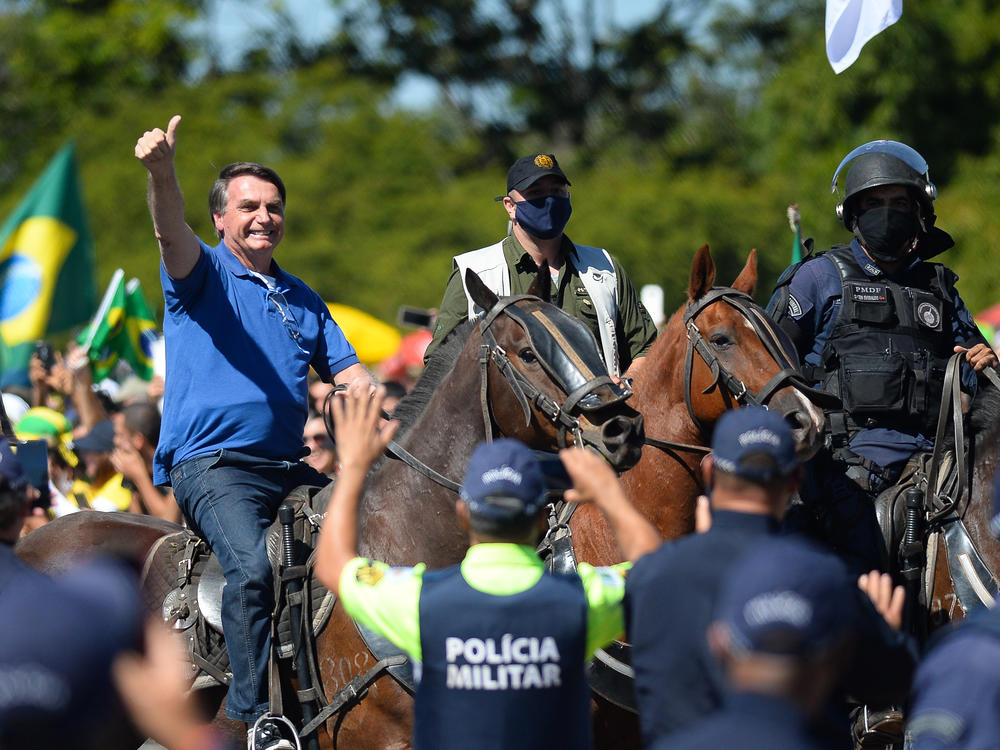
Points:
(787, 597)
(529, 169)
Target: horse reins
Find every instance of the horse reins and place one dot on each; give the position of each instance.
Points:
(524, 391)
(730, 386)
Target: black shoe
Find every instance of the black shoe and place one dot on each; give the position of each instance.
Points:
(266, 734)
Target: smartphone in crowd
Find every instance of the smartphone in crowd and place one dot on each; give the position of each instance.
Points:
(415, 317)
(45, 353)
(33, 455)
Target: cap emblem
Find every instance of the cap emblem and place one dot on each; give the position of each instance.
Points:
(544, 161)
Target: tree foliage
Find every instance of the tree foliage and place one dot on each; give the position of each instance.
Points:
(699, 124)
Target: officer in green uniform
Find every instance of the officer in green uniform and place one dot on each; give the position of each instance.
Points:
(587, 282)
(500, 644)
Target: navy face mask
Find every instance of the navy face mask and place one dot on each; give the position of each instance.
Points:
(887, 233)
(544, 218)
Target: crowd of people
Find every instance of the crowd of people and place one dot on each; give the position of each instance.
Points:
(780, 641)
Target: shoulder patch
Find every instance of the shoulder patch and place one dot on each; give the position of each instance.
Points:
(368, 574)
(794, 308)
(610, 576)
(937, 722)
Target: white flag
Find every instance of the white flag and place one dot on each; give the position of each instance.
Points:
(850, 24)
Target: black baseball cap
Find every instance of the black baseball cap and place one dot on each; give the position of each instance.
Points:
(528, 169)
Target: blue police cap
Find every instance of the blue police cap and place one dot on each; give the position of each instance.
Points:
(59, 640)
(503, 481)
(786, 597)
(754, 443)
(10, 467)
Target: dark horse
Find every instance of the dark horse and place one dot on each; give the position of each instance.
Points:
(961, 570)
(718, 351)
(526, 370)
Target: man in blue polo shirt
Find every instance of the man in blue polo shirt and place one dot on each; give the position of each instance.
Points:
(500, 645)
(241, 335)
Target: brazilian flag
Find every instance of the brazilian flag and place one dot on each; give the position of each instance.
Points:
(122, 328)
(46, 266)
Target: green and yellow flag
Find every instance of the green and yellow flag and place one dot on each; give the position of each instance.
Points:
(795, 222)
(122, 328)
(46, 266)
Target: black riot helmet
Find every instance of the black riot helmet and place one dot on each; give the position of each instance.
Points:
(885, 162)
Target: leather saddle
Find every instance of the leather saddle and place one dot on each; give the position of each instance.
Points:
(184, 581)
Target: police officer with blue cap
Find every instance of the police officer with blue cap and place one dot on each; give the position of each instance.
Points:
(499, 643)
(783, 629)
(875, 322)
(671, 594)
(752, 473)
(956, 691)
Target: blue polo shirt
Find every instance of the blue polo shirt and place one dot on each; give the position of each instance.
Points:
(238, 358)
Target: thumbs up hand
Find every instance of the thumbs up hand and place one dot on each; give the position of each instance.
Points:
(155, 149)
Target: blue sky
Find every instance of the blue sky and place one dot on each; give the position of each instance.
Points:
(232, 20)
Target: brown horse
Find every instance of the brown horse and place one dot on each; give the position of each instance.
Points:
(962, 567)
(717, 351)
(528, 371)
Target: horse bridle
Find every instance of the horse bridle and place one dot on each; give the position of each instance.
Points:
(524, 391)
(730, 386)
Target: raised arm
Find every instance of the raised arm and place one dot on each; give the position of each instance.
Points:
(178, 243)
(359, 443)
(594, 481)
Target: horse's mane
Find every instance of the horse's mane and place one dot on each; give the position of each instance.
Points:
(440, 363)
(412, 405)
(984, 417)
(985, 414)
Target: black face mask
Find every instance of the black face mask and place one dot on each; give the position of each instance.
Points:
(887, 233)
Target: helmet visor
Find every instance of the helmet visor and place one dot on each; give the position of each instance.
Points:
(893, 148)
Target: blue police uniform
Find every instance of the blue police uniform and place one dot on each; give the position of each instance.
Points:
(956, 691)
(814, 302)
(502, 671)
(669, 600)
(751, 722)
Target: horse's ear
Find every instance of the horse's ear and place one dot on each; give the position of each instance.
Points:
(702, 274)
(541, 287)
(746, 282)
(481, 294)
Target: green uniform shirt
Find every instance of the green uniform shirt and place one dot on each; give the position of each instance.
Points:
(635, 329)
(386, 599)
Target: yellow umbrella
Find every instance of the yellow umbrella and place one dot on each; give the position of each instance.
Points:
(372, 339)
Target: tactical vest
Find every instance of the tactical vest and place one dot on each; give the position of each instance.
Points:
(597, 273)
(502, 671)
(889, 347)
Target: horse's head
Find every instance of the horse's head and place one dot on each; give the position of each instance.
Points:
(544, 380)
(735, 355)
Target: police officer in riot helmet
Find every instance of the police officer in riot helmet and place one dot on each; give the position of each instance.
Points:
(875, 323)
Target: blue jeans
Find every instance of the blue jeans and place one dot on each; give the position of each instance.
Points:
(231, 499)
